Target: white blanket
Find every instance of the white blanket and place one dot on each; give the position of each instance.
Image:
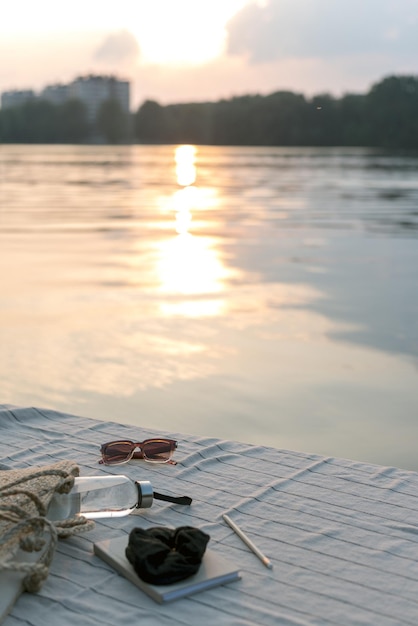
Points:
(342, 535)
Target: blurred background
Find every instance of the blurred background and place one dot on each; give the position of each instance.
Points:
(208, 219)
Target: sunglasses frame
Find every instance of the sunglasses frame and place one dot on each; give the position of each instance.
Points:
(139, 454)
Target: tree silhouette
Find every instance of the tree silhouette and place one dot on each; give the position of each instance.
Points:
(385, 117)
(150, 123)
(112, 122)
(392, 107)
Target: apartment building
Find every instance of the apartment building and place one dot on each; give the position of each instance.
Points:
(57, 94)
(16, 97)
(92, 90)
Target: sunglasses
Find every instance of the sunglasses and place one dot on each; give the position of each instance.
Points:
(151, 450)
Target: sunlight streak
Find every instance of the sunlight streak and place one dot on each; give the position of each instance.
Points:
(185, 158)
(190, 265)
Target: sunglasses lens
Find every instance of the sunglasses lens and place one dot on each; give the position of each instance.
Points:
(158, 450)
(117, 452)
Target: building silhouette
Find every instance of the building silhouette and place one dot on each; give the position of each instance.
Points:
(56, 94)
(91, 90)
(94, 90)
(16, 97)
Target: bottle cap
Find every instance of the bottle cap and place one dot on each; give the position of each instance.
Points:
(145, 494)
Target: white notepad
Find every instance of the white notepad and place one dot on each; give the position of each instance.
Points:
(214, 570)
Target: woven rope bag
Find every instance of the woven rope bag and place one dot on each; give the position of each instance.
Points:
(24, 498)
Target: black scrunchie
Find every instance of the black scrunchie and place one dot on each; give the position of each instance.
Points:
(162, 556)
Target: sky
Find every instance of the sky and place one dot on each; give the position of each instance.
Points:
(203, 50)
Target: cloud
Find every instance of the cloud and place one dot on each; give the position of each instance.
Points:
(118, 47)
(278, 29)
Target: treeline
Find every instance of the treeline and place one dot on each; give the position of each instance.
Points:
(387, 116)
(40, 121)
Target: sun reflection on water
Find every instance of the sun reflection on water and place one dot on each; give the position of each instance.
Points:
(185, 158)
(190, 264)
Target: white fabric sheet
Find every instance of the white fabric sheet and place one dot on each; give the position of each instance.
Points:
(342, 535)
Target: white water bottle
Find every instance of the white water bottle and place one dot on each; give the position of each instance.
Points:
(97, 497)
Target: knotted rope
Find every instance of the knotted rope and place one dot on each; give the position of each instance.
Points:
(24, 500)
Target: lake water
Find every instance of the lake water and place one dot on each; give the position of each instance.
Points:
(267, 295)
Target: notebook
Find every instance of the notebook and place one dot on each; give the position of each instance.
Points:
(214, 570)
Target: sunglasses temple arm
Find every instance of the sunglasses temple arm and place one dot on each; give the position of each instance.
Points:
(181, 500)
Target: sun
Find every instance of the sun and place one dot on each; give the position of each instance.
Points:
(168, 32)
(183, 32)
